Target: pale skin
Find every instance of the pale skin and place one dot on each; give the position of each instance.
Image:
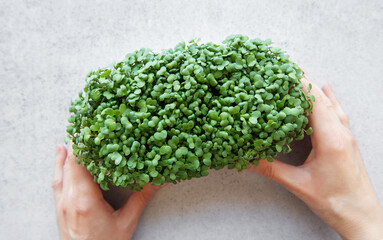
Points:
(333, 182)
(82, 212)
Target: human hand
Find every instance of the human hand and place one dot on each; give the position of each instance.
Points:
(333, 181)
(82, 212)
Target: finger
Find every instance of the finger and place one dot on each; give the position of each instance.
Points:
(338, 109)
(77, 179)
(320, 98)
(131, 211)
(61, 154)
(287, 175)
(158, 187)
(323, 119)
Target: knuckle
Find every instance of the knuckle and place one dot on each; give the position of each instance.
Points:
(81, 208)
(57, 183)
(318, 95)
(77, 232)
(321, 98)
(349, 138)
(61, 207)
(337, 143)
(145, 198)
(341, 141)
(269, 171)
(344, 118)
(338, 147)
(330, 106)
(80, 205)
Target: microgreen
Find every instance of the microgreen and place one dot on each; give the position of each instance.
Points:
(171, 116)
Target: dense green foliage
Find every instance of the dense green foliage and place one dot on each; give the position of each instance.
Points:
(171, 116)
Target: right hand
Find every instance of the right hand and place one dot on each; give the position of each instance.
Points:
(333, 181)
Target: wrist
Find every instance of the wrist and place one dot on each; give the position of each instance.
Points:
(365, 225)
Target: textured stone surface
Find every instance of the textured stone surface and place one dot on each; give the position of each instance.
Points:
(47, 48)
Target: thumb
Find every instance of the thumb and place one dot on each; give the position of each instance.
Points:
(280, 172)
(131, 211)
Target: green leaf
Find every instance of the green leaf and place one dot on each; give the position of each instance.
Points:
(101, 177)
(309, 87)
(144, 177)
(140, 84)
(122, 108)
(108, 111)
(207, 159)
(182, 151)
(165, 150)
(125, 122)
(160, 135)
(279, 148)
(153, 173)
(111, 124)
(117, 77)
(194, 161)
(105, 74)
(108, 95)
(253, 120)
(172, 176)
(116, 157)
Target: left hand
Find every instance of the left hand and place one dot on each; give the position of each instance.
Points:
(82, 212)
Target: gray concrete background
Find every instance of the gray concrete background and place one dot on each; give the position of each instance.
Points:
(48, 47)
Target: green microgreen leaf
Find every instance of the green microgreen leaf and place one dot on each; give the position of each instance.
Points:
(172, 116)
